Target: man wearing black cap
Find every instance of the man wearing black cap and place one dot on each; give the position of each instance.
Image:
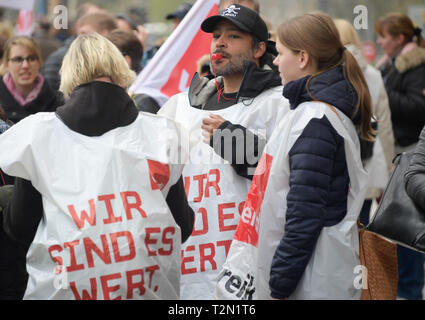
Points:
(237, 37)
(178, 15)
(235, 109)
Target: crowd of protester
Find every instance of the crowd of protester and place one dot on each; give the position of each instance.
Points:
(110, 191)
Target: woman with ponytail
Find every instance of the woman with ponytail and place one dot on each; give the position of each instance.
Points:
(318, 73)
(316, 184)
(302, 208)
(403, 69)
(379, 166)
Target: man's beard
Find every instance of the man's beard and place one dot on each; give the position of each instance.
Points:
(234, 64)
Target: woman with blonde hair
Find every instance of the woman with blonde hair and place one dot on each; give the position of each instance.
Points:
(23, 90)
(301, 211)
(99, 199)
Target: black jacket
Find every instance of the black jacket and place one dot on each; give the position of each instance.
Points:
(48, 100)
(415, 174)
(52, 65)
(146, 103)
(404, 78)
(318, 180)
(92, 110)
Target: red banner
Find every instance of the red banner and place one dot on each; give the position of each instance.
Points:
(248, 227)
(182, 73)
(172, 68)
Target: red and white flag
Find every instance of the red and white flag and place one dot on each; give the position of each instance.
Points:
(171, 69)
(25, 25)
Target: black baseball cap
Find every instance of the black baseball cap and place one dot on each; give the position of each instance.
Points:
(130, 21)
(180, 12)
(244, 18)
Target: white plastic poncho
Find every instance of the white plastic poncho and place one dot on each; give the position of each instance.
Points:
(106, 231)
(215, 192)
(376, 166)
(332, 270)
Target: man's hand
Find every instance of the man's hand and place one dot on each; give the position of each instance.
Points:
(210, 125)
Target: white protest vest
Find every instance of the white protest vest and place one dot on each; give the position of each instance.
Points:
(215, 192)
(331, 272)
(106, 231)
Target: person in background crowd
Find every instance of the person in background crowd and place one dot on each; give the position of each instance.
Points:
(415, 174)
(45, 41)
(178, 15)
(6, 29)
(53, 63)
(132, 51)
(13, 275)
(314, 257)
(129, 46)
(272, 32)
(3, 41)
(4, 125)
(403, 69)
(89, 8)
(126, 23)
(235, 109)
(101, 23)
(100, 150)
(23, 91)
(415, 188)
(379, 167)
(6, 32)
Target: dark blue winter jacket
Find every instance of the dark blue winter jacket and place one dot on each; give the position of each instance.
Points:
(318, 180)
